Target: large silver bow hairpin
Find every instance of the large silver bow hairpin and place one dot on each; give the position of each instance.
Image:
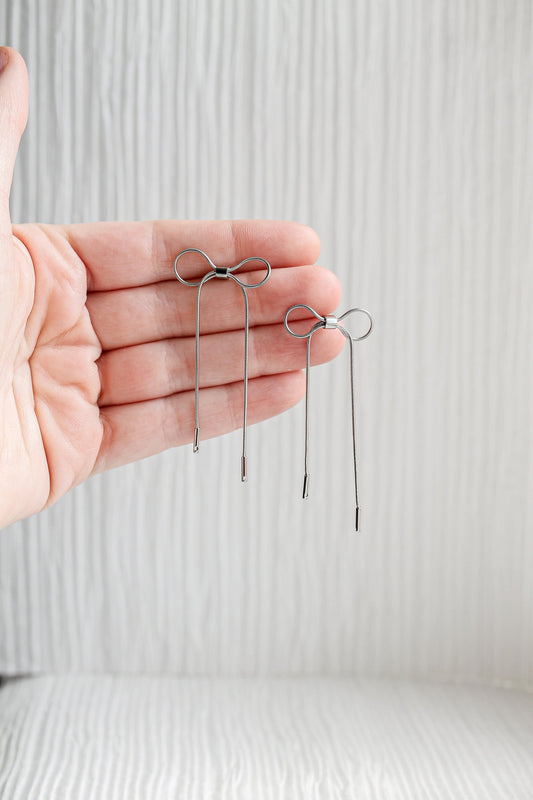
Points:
(329, 322)
(226, 273)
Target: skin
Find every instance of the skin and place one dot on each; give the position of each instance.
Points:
(97, 336)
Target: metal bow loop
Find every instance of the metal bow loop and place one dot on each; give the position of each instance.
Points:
(242, 283)
(347, 332)
(221, 272)
(203, 256)
(329, 321)
(315, 327)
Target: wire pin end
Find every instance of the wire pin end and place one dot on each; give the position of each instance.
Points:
(196, 443)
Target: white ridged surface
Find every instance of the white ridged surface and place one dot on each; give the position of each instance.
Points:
(402, 133)
(131, 738)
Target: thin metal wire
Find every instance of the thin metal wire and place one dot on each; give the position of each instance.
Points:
(224, 273)
(244, 462)
(196, 440)
(330, 322)
(305, 491)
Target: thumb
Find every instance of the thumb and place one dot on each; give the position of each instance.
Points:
(13, 117)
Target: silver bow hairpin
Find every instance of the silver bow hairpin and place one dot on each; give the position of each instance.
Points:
(329, 322)
(225, 273)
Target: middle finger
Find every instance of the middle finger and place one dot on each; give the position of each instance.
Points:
(125, 317)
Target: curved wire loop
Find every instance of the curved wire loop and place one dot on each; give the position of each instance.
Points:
(329, 322)
(225, 273)
(323, 322)
(221, 272)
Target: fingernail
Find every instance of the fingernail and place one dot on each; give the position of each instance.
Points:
(4, 57)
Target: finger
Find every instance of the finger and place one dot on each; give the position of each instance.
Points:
(13, 117)
(165, 310)
(138, 430)
(122, 254)
(159, 369)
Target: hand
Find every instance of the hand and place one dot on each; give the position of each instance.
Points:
(97, 335)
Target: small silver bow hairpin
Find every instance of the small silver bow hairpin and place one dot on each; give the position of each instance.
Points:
(329, 322)
(226, 273)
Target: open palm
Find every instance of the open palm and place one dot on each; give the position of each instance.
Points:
(97, 336)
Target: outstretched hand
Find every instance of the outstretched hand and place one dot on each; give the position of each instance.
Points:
(97, 337)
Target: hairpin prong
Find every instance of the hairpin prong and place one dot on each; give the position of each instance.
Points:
(224, 273)
(329, 322)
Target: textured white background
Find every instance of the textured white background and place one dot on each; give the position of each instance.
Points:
(402, 132)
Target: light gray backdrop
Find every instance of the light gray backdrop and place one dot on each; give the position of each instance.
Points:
(402, 132)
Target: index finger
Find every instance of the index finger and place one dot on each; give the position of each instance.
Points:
(119, 255)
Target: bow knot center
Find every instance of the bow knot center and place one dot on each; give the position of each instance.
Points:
(221, 272)
(330, 321)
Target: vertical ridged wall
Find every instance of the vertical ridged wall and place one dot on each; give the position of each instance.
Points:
(402, 132)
